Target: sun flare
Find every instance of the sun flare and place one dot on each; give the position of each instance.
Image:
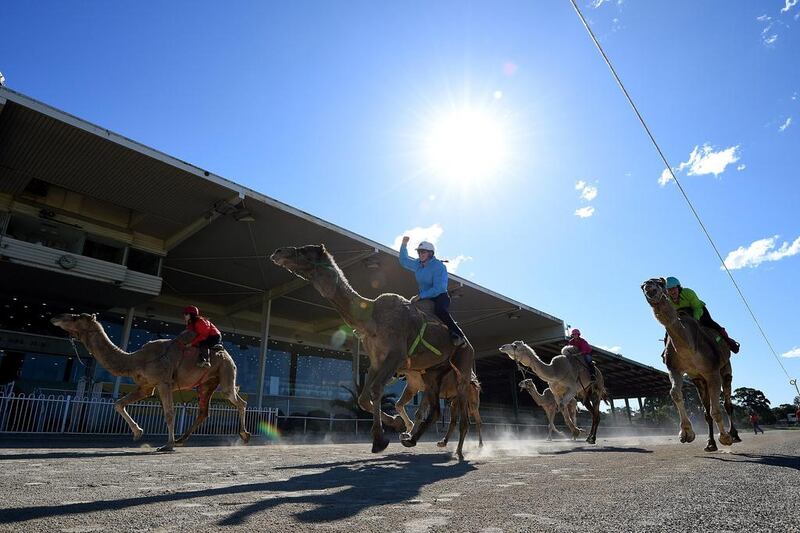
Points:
(466, 145)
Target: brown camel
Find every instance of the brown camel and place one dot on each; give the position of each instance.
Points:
(702, 355)
(568, 378)
(448, 391)
(390, 327)
(547, 401)
(163, 365)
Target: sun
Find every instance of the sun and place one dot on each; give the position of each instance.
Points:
(466, 145)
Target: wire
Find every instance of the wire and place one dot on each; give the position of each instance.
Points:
(678, 183)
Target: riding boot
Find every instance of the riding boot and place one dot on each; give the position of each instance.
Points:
(593, 372)
(204, 357)
(457, 339)
(732, 344)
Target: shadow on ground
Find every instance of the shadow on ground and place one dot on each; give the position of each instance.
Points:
(784, 461)
(350, 486)
(71, 455)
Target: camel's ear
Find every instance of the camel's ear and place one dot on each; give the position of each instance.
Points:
(94, 317)
(663, 281)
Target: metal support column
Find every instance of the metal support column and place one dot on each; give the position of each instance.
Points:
(628, 410)
(357, 364)
(641, 408)
(126, 337)
(514, 392)
(266, 312)
(613, 410)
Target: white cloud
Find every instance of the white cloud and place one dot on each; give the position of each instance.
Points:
(794, 352)
(666, 177)
(455, 262)
(789, 5)
(786, 124)
(588, 192)
(613, 349)
(771, 39)
(584, 212)
(741, 167)
(704, 160)
(764, 18)
(761, 251)
(597, 3)
(431, 234)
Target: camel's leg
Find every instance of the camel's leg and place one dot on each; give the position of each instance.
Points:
(463, 427)
(430, 406)
(365, 401)
(476, 415)
(714, 386)
(702, 391)
(676, 392)
(451, 426)
(206, 390)
(594, 408)
(227, 380)
(375, 382)
(165, 393)
(119, 406)
(563, 407)
(727, 377)
(464, 359)
(408, 394)
(551, 415)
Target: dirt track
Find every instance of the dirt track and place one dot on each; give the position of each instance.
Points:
(621, 484)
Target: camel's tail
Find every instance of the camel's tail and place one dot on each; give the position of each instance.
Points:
(473, 379)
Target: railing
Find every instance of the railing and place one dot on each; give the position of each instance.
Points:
(67, 414)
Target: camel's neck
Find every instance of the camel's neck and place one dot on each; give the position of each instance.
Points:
(113, 359)
(538, 398)
(542, 369)
(354, 308)
(668, 317)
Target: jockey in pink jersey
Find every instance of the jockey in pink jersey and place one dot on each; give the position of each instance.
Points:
(585, 349)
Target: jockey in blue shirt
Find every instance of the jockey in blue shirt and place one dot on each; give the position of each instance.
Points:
(431, 277)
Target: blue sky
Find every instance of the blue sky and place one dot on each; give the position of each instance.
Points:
(329, 107)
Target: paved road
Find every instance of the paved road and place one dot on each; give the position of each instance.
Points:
(621, 484)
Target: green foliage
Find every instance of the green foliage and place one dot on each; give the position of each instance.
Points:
(748, 400)
(782, 410)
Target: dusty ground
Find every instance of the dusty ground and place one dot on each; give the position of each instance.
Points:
(621, 484)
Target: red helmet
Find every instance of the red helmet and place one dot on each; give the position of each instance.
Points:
(575, 331)
(191, 310)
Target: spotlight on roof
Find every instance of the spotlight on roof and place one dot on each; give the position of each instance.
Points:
(372, 263)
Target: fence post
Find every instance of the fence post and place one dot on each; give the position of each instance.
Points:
(330, 425)
(181, 419)
(66, 412)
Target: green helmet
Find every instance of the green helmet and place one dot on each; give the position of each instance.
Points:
(673, 282)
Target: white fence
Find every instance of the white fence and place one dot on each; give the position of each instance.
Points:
(66, 414)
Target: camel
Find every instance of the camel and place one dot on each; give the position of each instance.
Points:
(398, 337)
(699, 353)
(163, 365)
(547, 401)
(568, 378)
(448, 391)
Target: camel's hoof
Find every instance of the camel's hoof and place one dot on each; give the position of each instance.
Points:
(407, 440)
(687, 435)
(137, 434)
(480, 444)
(166, 448)
(591, 439)
(725, 440)
(245, 436)
(460, 457)
(180, 442)
(378, 445)
(711, 446)
(441, 443)
(735, 437)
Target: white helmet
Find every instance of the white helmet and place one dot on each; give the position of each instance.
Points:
(425, 245)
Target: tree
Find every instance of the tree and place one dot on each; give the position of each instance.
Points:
(748, 399)
(782, 410)
(797, 401)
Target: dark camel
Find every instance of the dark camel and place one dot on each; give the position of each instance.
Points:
(699, 353)
(388, 327)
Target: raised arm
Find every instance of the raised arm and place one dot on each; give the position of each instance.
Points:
(405, 261)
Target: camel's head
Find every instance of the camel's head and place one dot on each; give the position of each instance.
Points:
(655, 290)
(302, 261)
(76, 325)
(526, 384)
(515, 349)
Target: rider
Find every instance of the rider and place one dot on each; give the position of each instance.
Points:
(686, 299)
(585, 349)
(431, 277)
(207, 334)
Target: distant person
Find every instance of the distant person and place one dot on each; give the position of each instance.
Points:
(754, 421)
(686, 299)
(585, 350)
(207, 335)
(431, 275)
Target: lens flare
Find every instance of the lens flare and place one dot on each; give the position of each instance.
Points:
(268, 430)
